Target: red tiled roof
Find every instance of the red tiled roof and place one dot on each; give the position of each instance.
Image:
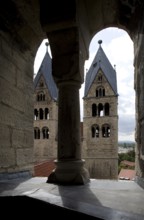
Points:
(44, 169)
(128, 163)
(127, 174)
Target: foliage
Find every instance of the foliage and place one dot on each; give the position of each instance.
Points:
(129, 156)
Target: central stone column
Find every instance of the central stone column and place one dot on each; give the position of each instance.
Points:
(69, 122)
(69, 166)
(67, 66)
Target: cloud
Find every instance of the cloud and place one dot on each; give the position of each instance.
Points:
(126, 127)
(126, 123)
(126, 106)
(120, 49)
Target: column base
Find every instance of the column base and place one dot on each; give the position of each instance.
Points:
(69, 173)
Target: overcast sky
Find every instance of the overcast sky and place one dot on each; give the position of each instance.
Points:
(118, 47)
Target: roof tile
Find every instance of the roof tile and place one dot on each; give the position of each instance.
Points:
(46, 70)
(101, 62)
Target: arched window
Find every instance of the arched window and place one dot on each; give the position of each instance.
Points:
(106, 130)
(46, 113)
(96, 92)
(94, 110)
(95, 130)
(41, 84)
(100, 92)
(41, 116)
(100, 110)
(45, 132)
(36, 133)
(107, 109)
(100, 78)
(35, 114)
(41, 96)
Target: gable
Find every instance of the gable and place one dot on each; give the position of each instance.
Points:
(41, 88)
(100, 81)
(102, 63)
(41, 84)
(45, 71)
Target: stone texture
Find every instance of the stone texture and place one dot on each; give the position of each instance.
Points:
(24, 24)
(45, 149)
(101, 154)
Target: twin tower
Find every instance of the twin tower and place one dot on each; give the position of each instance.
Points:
(99, 129)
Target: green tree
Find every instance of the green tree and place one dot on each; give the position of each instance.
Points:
(129, 156)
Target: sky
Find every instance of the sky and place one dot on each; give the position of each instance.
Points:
(118, 47)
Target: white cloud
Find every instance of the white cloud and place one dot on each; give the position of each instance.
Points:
(120, 49)
(126, 126)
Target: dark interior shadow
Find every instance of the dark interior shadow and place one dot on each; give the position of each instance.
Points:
(23, 206)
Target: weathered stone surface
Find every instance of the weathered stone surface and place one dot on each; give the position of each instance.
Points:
(21, 27)
(101, 153)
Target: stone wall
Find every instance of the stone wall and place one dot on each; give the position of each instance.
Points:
(100, 153)
(139, 88)
(102, 168)
(45, 149)
(20, 37)
(16, 107)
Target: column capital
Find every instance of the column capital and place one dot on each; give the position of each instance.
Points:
(68, 55)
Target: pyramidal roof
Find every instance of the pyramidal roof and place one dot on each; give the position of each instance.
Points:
(101, 61)
(45, 70)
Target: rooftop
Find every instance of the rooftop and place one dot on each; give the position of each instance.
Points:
(127, 174)
(45, 70)
(101, 61)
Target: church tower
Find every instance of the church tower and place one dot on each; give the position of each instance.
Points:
(45, 112)
(100, 122)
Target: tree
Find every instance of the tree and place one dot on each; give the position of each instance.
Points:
(129, 156)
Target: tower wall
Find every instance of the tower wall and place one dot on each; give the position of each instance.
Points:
(45, 149)
(101, 152)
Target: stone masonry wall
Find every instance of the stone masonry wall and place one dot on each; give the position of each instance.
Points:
(16, 108)
(102, 168)
(46, 149)
(101, 154)
(139, 88)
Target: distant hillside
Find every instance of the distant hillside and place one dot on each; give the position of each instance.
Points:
(126, 144)
(122, 142)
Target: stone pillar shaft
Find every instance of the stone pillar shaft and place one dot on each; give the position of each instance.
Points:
(69, 165)
(67, 69)
(69, 123)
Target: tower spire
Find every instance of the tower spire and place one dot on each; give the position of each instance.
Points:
(100, 42)
(46, 46)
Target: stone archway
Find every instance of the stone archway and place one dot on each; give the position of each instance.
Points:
(70, 29)
(82, 21)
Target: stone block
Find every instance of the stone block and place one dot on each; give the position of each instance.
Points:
(7, 158)
(24, 156)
